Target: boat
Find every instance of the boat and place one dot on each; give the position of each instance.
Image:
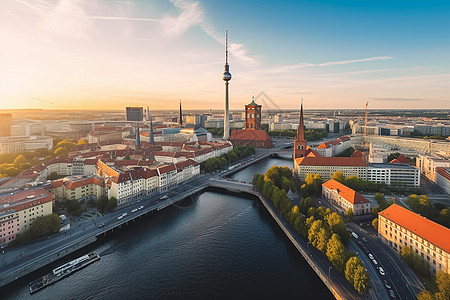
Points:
(63, 271)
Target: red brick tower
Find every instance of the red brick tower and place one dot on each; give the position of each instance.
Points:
(252, 116)
(300, 142)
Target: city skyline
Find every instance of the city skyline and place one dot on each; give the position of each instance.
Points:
(102, 54)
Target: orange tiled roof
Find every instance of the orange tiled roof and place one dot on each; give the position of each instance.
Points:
(428, 230)
(395, 161)
(345, 192)
(402, 159)
(331, 161)
(357, 153)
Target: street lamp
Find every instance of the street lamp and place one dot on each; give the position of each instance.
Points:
(329, 273)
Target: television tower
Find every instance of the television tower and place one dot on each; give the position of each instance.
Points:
(226, 77)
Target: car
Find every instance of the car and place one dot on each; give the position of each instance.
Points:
(101, 225)
(381, 270)
(370, 256)
(374, 262)
(364, 239)
(361, 243)
(124, 214)
(120, 217)
(366, 250)
(354, 235)
(164, 197)
(387, 285)
(392, 294)
(134, 210)
(140, 207)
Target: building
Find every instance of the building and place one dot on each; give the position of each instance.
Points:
(344, 198)
(399, 227)
(300, 147)
(326, 166)
(5, 124)
(19, 210)
(79, 188)
(252, 116)
(252, 134)
(104, 136)
(14, 144)
(394, 174)
(255, 138)
(135, 114)
(443, 178)
(428, 164)
(334, 147)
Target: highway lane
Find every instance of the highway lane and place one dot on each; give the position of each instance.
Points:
(404, 283)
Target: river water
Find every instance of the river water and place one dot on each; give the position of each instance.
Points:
(213, 246)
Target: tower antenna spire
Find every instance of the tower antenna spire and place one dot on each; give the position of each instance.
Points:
(226, 47)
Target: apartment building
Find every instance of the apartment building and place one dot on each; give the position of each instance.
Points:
(18, 210)
(399, 227)
(344, 198)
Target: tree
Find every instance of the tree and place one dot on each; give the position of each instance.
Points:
(82, 142)
(349, 214)
(375, 211)
(60, 151)
(443, 284)
(314, 183)
(319, 235)
(336, 252)
(127, 157)
(232, 156)
(102, 202)
(350, 267)
(299, 224)
(305, 204)
(260, 182)
(337, 226)
(375, 224)
(53, 176)
(45, 225)
(20, 159)
(381, 200)
(339, 177)
(425, 295)
(74, 207)
(112, 203)
(361, 280)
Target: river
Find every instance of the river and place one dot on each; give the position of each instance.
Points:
(212, 246)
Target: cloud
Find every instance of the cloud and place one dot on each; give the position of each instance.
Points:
(123, 18)
(398, 99)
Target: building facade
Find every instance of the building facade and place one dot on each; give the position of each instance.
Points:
(443, 178)
(394, 174)
(5, 124)
(19, 210)
(327, 166)
(252, 116)
(399, 227)
(428, 164)
(344, 198)
(135, 114)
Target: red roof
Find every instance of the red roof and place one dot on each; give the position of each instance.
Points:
(76, 183)
(357, 153)
(249, 135)
(395, 161)
(331, 161)
(443, 172)
(24, 199)
(428, 230)
(345, 192)
(402, 159)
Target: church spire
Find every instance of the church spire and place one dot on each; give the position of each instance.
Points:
(181, 116)
(301, 128)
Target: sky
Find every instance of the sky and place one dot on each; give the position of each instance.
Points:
(336, 54)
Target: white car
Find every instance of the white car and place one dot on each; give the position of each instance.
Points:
(354, 235)
(120, 217)
(374, 262)
(380, 269)
(134, 210)
(124, 214)
(140, 207)
(370, 256)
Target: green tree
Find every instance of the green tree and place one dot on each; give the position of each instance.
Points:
(349, 214)
(319, 235)
(375, 211)
(232, 156)
(20, 159)
(74, 207)
(260, 183)
(305, 204)
(45, 225)
(336, 252)
(443, 284)
(314, 183)
(361, 281)
(375, 223)
(299, 224)
(82, 142)
(339, 177)
(102, 202)
(336, 224)
(350, 267)
(53, 176)
(112, 203)
(381, 200)
(60, 151)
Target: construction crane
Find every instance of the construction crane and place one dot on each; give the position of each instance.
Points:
(365, 121)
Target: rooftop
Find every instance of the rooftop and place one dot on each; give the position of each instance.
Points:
(428, 230)
(331, 161)
(345, 192)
